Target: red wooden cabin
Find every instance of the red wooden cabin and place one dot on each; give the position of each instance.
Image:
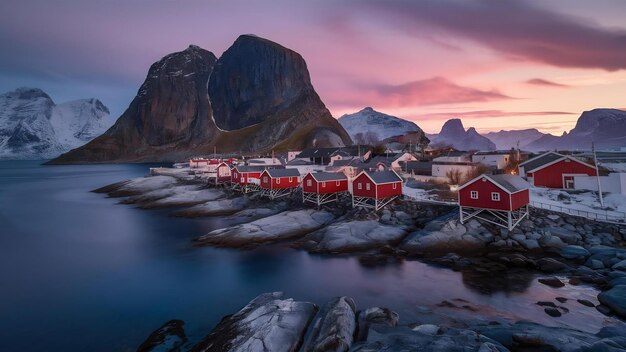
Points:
(246, 178)
(376, 188)
(223, 173)
(276, 183)
(553, 170)
(499, 199)
(323, 187)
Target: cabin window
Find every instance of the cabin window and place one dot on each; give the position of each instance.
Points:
(265, 179)
(395, 186)
(242, 180)
(367, 186)
(290, 179)
(495, 196)
(359, 185)
(337, 183)
(323, 184)
(474, 194)
(277, 180)
(309, 183)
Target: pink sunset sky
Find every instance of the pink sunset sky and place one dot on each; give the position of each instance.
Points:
(495, 64)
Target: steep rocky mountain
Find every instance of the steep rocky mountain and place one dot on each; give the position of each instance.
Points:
(509, 139)
(376, 124)
(257, 97)
(454, 134)
(32, 126)
(605, 127)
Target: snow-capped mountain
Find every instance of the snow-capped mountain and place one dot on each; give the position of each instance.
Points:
(509, 139)
(454, 134)
(605, 127)
(375, 124)
(32, 126)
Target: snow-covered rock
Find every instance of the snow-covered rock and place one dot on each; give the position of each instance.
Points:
(169, 337)
(138, 186)
(278, 227)
(454, 134)
(268, 323)
(378, 125)
(185, 196)
(32, 126)
(352, 236)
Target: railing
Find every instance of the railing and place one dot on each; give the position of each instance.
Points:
(605, 216)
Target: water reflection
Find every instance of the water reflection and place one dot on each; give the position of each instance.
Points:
(488, 282)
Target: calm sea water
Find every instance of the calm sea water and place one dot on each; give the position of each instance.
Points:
(79, 272)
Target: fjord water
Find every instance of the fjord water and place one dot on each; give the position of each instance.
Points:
(79, 272)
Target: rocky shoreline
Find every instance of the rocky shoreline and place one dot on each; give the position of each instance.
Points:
(271, 322)
(576, 250)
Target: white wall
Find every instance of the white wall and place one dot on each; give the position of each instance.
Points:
(497, 160)
(613, 183)
(441, 170)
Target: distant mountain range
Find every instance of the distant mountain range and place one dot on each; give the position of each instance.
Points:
(509, 139)
(605, 127)
(454, 134)
(32, 126)
(257, 97)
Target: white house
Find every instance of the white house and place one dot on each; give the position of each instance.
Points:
(441, 168)
(613, 183)
(497, 159)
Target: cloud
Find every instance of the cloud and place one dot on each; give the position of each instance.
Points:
(546, 83)
(516, 29)
(432, 91)
(479, 114)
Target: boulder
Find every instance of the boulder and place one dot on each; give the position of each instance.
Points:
(428, 329)
(550, 265)
(551, 281)
(615, 298)
(573, 252)
(353, 236)
(268, 323)
(274, 228)
(620, 266)
(373, 317)
(334, 329)
(169, 337)
(568, 237)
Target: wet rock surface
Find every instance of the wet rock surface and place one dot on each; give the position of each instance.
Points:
(169, 337)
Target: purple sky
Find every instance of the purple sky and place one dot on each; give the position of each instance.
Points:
(497, 64)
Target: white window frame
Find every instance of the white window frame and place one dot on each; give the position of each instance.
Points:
(474, 194)
(367, 186)
(395, 185)
(324, 184)
(337, 183)
(290, 179)
(495, 196)
(264, 179)
(309, 183)
(278, 180)
(243, 179)
(359, 185)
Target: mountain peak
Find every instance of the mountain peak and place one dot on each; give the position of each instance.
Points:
(27, 93)
(453, 126)
(453, 134)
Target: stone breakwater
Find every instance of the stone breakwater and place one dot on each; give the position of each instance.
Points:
(271, 323)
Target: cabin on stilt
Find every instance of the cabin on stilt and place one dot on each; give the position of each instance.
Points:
(277, 183)
(323, 187)
(501, 200)
(375, 189)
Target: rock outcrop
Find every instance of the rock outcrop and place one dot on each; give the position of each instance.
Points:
(257, 97)
(454, 134)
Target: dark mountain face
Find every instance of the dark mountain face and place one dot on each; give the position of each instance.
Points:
(258, 93)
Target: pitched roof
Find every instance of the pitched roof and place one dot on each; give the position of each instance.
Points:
(414, 165)
(383, 176)
(249, 168)
(347, 162)
(317, 152)
(328, 176)
(283, 172)
(540, 160)
(510, 182)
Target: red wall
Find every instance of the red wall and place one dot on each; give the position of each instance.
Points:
(552, 176)
(312, 188)
(273, 184)
(317, 187)
(484, 189)
(520, 199)
(236, 177)
(384, 190)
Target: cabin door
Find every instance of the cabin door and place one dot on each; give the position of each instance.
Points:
(568, 182)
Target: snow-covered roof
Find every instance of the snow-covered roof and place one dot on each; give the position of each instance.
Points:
(380, 177)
